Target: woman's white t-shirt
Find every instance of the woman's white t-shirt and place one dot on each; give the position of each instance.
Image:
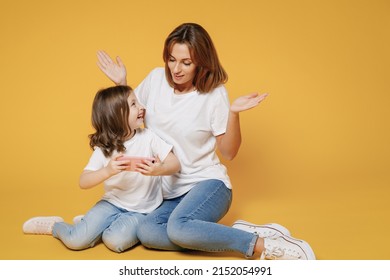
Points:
(190, 123)
(132, 190)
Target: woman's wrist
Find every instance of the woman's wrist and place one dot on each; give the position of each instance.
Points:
(122, 83)
(234, 114)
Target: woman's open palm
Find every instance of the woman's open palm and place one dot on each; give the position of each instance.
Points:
(116, 72)
(247, 102)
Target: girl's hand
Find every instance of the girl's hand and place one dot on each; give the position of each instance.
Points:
(116, 72)
(148, 168)
(247, 102)
(90, 179)
(115, 165)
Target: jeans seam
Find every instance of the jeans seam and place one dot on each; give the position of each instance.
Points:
(222, 184)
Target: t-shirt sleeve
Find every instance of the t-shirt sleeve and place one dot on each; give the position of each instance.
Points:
(159, 146)
(96, 161)
(220, 111)
(142, 91)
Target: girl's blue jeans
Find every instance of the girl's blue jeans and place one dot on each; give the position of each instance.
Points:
(116, 227)
(190, 222)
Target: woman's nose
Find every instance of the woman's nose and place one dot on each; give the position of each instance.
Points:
(177, 68)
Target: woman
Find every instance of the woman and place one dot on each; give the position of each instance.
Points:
(187, 105)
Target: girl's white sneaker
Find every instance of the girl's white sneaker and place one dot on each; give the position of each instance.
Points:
(41, 225)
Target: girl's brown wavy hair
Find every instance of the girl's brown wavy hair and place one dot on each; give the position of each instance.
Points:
(110, 114)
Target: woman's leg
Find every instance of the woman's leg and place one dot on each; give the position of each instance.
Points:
(122, 233)
(193, 223)
(88, 231)
(152, 232)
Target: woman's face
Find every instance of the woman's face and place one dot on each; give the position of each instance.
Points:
(181, 66)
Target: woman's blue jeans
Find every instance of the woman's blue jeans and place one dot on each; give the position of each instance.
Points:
(116, 227)
(190, 222)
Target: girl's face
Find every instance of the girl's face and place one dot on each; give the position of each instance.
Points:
(181, 66)
(137, 112)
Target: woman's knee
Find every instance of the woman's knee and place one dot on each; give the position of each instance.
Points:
(176, 230)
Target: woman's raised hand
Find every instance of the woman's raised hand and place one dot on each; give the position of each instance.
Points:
(247, 102)
(116, 72)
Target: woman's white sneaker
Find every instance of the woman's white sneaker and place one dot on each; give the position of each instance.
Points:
(286, 248)
(41, 225)
(271, 230)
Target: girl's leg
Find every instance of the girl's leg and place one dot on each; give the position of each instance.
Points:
(193, 223)
(122, 233)
(152, 232)
(88, 231)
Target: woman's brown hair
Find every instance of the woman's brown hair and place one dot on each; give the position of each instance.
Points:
(209, 71)
(110, 114)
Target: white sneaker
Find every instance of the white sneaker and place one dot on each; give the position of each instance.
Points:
(41, 225)
(286, 248)
(77, 219)
(271, 230)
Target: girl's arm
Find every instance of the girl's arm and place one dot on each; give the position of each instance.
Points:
(116, 72)
(90, 179)
(169, 166)
(229, 143)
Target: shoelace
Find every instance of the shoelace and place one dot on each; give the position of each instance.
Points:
(270, 233)
(43, 227)
(277, 253)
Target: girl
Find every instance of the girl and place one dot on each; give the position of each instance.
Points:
(129, 195)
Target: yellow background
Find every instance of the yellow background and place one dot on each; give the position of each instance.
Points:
(315, 154)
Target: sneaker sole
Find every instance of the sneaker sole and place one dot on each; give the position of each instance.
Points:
(249, 227)
(303, 245)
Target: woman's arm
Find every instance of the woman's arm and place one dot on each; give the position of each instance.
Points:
(116, 72)
(229, 143)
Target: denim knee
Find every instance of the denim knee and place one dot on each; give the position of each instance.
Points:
(176, 231)
(153, 234)
(78, 244)
(73, 242)
(117, 243)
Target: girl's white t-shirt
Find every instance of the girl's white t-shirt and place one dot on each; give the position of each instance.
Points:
(132, 190)
(190, 122)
